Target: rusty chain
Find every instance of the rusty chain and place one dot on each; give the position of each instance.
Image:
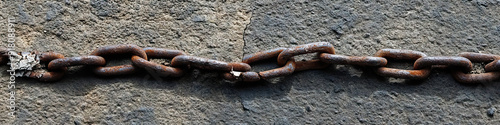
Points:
(460, 65)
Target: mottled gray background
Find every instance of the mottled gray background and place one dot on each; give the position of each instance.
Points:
(228, 29)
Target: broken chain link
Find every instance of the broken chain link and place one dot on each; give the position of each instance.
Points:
(460, 65)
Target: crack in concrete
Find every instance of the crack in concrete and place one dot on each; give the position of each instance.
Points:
(244, 32)
(243, 55)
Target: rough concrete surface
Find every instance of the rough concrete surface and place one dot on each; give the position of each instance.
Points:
(228, 29)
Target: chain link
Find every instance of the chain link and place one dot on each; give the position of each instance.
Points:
(50, 75)
(251, 76)
(402, 55)
(353, 60)
(161, 70)
(74, 61)
(491, 73)
(460, 65)
(117, 50)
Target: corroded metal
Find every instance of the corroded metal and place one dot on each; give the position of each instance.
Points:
(160, 70)
(309, 65)
(493, 66)
(49, 76)
(73, 61)
(399, 54)
(49, 56)
(115, 70)
(251, 76)
(492, 73)
(402, 55)
(475, 78)
(120, 49)
(479, 57)
(248, 76)
(353, 60)
(405, 74)
(262, 55)
(208, 64)
(240, 71)
(117, 50)
(162, 53)
(282, 71)
(322, 47)
(426, 62)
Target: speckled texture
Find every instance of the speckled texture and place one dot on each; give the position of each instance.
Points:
(226, 30)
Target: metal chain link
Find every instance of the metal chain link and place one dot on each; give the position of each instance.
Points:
(50, 75)
(461, 65)
(402, 55)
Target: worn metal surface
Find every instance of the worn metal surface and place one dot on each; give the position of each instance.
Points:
(120, 49)
(51, 75)
(323, 47)
(262, 55)
(310, 65)
(475, 78)
(226, 30)
(492, 66)
(162, 53)
(426, 62)
(208, 64)
(399, 54)
(73, 61)
(402, 55)
(240, 71)
(117, 50)
(288, 69)
(405, 74)
(250, 76)
(479, 57)
(353, 60)
(115, 70)
(157, 69)
(492, 73)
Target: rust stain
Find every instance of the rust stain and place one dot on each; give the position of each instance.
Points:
(115, 70)
(162, 53)
(428, 62)
(406, 74)
(282, 71)
(353, 60)
(161, 70)
(311, 64)
(321, 47)
(492, 66)
(262, 55)
(208, 64)
(479, 57)
(472, 79)
(120, 49)
(250, 76)
(49, 56)
(72, 61)
(399, 54)
(115, 50)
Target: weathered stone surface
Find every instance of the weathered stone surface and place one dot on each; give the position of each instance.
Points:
(226, 30)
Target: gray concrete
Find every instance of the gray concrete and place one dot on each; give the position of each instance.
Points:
(226, 30)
